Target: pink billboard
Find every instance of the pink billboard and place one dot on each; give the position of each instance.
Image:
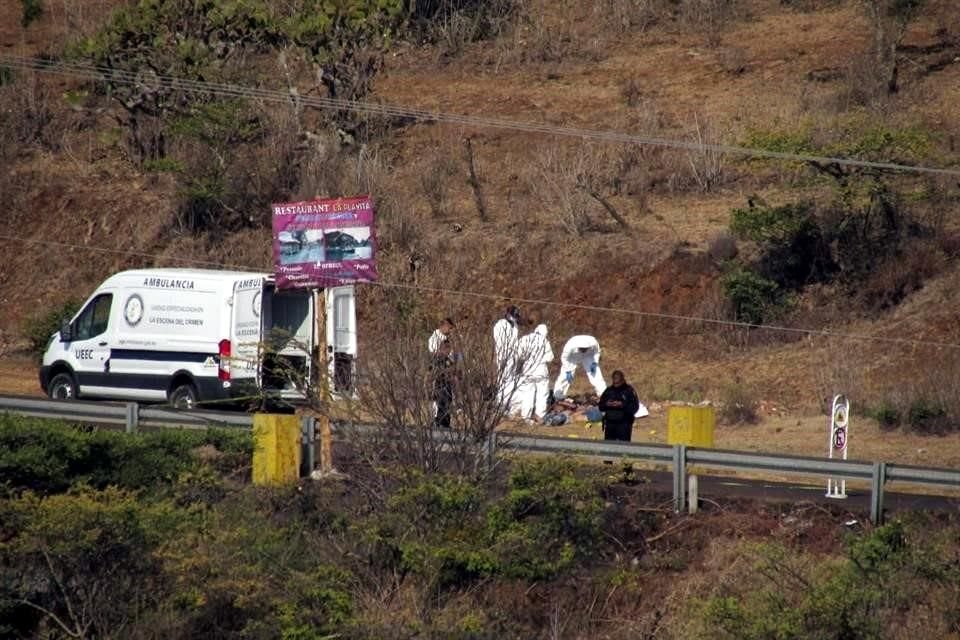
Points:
(324, 243)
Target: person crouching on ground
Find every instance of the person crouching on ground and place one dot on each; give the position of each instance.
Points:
(579, 351)
(619, 403)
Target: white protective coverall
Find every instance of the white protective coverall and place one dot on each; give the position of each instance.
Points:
(585, 352)
(505, 336)
(535, 384)
(436, 339)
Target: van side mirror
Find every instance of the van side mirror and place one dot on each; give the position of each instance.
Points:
(66, 331)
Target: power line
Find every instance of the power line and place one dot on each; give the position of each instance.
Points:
(824, 333)
(119, 76)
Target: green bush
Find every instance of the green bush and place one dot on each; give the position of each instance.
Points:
(32, 10)
(795, 252)
(548, 519)
(926, 415)
(448, 533)
(798, 141)
(163, 165)
(81, 564)
(38, 328)
(755, 299)
(248, 569)
(48, 457)
(855, 597)
(886, 415)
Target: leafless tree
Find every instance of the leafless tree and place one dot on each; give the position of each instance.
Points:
(389, 414)
(397, 391)
(889, 20)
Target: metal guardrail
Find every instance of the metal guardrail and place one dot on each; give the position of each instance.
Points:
(130, 414)
(679, 457)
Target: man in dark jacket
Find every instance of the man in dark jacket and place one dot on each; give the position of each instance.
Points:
(443, 380)
(618, 403)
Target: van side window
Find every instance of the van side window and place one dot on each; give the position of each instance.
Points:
(94, 319)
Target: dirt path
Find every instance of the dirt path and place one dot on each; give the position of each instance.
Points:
(804, 435)
(783, 432)
(18, 375)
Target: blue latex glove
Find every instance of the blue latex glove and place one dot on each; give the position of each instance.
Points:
(570, 376)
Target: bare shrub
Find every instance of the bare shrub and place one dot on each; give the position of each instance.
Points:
(899, 276)
(435, 182)
(734, 60)
(587, 186)
(396, 390)
(554, 183)
(707, 16)
(707, 167)
(220, 189)
(26, 113)
(630, 92)
(859, 86)
(551, 37)
(928, 400)
(739, 404)
(453, 24)
(329, 167)
(806, 6)
(836, 376)
(83, 17)
(722, 247)
(889, 20)
(629, 16)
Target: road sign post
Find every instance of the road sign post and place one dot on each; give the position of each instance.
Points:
(839, 440)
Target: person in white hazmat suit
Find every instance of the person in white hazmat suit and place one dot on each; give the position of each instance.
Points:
(505, 339)
(583, 351)
(537, 353)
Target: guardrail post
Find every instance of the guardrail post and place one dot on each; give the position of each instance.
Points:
(876, 492)
(679, 477)
(308, 445)
(693, 484)
(132, 417)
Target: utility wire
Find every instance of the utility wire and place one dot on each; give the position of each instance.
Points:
(533, 301)
(152, 79)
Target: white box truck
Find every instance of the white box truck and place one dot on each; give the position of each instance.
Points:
(196, 336)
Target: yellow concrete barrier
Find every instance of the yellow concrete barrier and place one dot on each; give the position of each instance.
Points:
(691, 425)
(276, 452)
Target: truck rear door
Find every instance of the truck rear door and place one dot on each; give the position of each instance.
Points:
(341, 336)
(246, 331)
(288, 342)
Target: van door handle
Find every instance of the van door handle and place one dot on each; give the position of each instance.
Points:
(103, 344)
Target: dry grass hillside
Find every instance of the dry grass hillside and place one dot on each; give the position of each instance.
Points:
(735, 72)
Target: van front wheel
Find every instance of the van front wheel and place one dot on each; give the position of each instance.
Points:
(62, 387)
(184, 396)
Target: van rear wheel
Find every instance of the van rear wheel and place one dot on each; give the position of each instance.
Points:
(62, 387)
(184, 396)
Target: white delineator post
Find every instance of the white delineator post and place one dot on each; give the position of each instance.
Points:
(839, 439)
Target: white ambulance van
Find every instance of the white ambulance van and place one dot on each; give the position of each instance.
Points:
(194, 337)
